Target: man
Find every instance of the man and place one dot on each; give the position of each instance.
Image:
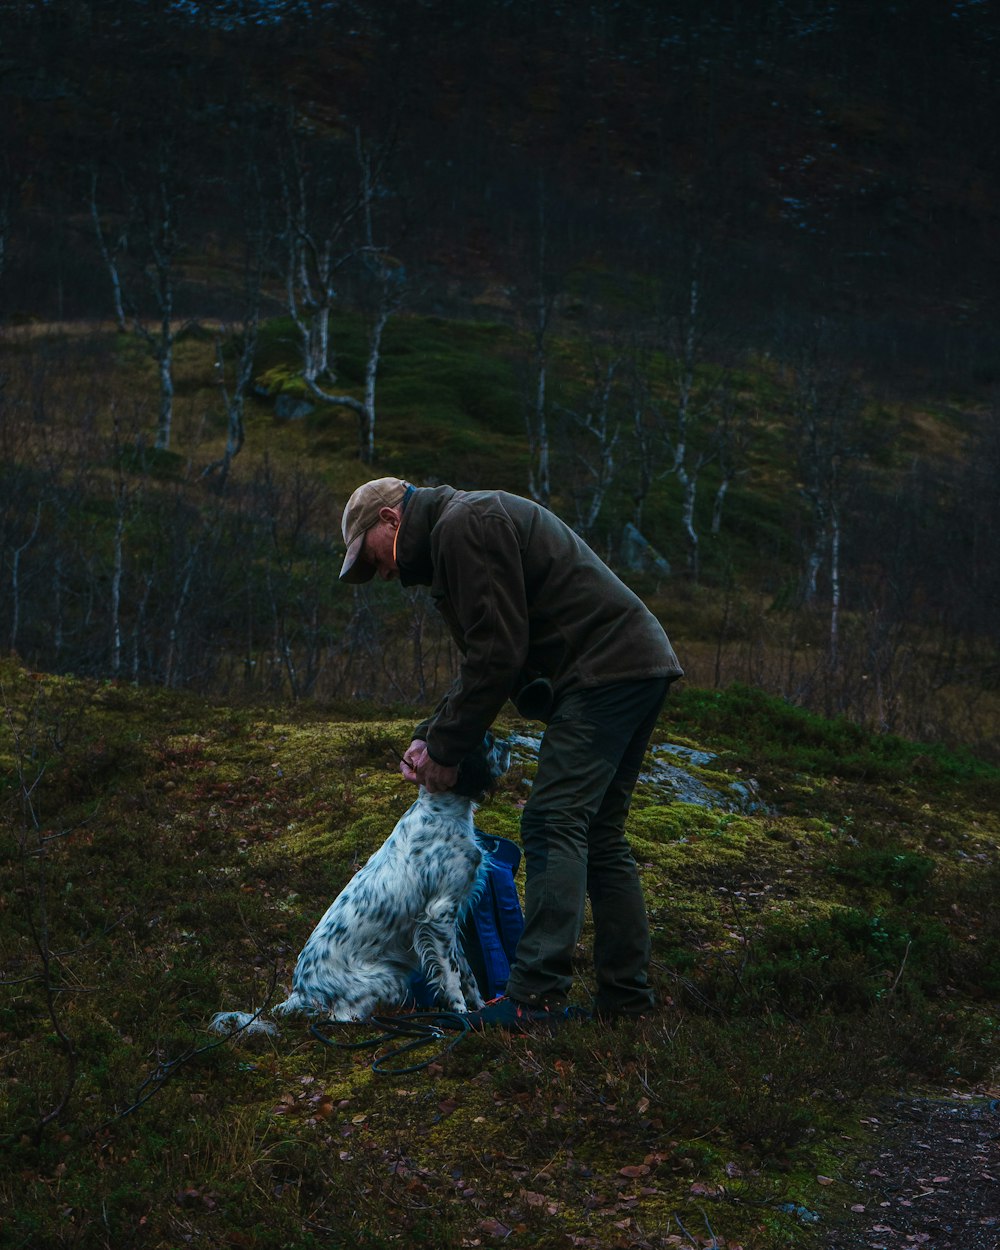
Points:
(539, 619)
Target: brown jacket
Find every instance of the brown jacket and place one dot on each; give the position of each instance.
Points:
(524, 597)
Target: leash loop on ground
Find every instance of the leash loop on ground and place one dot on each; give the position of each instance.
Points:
(422, 1028)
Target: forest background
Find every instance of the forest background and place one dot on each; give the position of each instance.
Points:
(718, 279)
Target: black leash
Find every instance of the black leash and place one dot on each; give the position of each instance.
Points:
(421, 1027)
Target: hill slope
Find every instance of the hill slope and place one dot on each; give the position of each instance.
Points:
(168, 856)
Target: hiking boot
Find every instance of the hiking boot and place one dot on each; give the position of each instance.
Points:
(613, 1013)
(515, 1017)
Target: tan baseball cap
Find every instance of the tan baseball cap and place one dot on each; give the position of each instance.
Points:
(360, 515)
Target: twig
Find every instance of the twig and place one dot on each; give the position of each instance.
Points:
(906, 955)
(164, 1072)
(36, 896)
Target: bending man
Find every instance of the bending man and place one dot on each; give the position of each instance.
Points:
(539, 619)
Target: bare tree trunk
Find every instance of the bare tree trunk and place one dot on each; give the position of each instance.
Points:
(15, 579)
(57, 607)
(731, 440)
(138, 626)
(116, 585)
(180, 608)
(166, 369)
(598, 422)
(536, 413)
(814, 562)
(689, 483)
(539, 475)
(371, 376)
(717, 504)
(312, 258)
(109, 254)
(4, 230)
(156, 220)
(388, 278)
(688, 414)
(835, 535)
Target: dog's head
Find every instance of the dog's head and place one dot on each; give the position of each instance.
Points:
(479, 772)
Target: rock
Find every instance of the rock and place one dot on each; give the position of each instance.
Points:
(672, 782)
(288, 408)
(639, 555)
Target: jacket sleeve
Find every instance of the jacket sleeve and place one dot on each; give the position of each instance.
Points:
(478, 568)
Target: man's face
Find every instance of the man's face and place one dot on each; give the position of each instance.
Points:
(378, 547)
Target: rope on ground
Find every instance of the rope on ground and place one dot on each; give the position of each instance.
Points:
(423, 1028)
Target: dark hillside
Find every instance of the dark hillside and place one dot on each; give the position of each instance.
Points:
(832, 160)
(126, 561)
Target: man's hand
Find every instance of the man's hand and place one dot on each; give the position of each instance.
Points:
(418, 767)
(412, 756)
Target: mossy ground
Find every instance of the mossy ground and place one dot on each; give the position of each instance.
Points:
(172, 855)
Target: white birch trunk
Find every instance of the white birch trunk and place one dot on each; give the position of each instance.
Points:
(166, 371)
(15, 579)
(116, 590)
(689, 483)
(717, 506)
(109, 254)
(371, 377)
(835, 588)
(539, 483)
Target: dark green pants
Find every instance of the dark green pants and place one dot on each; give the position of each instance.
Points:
(572, 829)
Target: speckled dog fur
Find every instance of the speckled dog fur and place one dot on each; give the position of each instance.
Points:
(399, 914)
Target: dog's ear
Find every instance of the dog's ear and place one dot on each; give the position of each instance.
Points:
(480, 769)
(498, 757)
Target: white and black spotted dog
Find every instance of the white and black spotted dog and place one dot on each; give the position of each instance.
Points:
(399, 914)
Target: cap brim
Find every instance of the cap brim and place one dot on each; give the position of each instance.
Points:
(356, 570)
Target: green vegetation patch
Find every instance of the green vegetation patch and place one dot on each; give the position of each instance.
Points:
(181, 850)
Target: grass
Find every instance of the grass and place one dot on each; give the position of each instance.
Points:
(809, 957)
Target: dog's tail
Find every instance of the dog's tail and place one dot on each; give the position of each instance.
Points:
(243, 1023)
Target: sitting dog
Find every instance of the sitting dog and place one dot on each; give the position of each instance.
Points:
(399, 914)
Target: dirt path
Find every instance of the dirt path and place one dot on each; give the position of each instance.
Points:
(930, 1182)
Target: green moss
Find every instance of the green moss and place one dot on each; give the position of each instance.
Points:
(807, 959)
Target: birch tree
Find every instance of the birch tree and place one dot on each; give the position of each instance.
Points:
(385, 275)
(595, 430)
(535, 295)
(233, 383)
(112, 244)
(732, 438)
(317, 215)
(687, 457)
(152, 222)
(832, 443)
(325, 243)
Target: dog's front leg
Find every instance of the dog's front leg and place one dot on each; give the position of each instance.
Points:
(434, 940)
(470, 986)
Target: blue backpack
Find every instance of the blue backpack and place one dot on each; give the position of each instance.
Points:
(491, 927)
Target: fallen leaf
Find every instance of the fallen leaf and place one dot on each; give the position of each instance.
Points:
(634, 1169)
(825, 1180)
(493, 1228)
(940, 1180)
